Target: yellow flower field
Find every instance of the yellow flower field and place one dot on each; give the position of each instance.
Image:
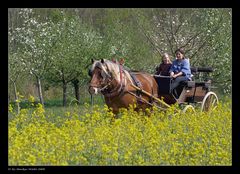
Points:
(97, 138)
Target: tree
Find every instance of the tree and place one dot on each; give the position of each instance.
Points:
(35, 41)
(16, 69)
(77, 45)
(205, 34)
(121, 38)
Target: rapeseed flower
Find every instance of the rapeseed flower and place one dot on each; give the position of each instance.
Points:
(97, 137)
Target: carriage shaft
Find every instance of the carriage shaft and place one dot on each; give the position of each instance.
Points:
(150, 95)
(145, 101)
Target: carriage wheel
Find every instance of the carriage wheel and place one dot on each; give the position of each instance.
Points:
(210, 102)
(188, 109)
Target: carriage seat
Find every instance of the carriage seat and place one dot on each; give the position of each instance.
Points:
(192, 84)
(187, 83)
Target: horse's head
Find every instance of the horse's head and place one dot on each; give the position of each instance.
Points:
(101, 76)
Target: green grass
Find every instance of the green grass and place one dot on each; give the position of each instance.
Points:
(54, 107)
(58, 102)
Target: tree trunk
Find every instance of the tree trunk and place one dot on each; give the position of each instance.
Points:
(40, 91)
(76, 89)
(64, 93)
(16, 97)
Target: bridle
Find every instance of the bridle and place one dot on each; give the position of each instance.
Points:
(115, 91)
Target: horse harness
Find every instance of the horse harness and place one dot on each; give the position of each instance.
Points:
(136, 82)
(119, 90)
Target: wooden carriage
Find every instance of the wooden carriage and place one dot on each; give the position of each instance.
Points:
(190, 93)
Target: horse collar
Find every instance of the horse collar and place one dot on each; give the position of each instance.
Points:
(117, 92)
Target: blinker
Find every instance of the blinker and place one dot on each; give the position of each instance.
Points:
(90, 72)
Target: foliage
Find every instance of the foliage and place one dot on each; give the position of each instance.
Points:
(77, 44)
(205, 35)
(122, 39)
(34, 40)
(51, 42)
(95, 137)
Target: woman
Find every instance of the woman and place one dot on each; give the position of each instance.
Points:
(164, 67)
(180, 69)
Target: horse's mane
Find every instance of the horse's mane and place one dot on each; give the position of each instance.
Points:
(112, 67)
(99, 65)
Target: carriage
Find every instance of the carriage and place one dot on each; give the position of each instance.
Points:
(116, 84)
(189, 94)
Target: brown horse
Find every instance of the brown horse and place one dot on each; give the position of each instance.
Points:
(114, 82)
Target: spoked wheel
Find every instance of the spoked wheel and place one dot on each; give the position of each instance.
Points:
(210, 102)
(188, 109)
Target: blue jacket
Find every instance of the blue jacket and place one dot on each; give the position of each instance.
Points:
(181, 66)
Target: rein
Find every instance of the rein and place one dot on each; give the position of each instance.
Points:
(106, 86)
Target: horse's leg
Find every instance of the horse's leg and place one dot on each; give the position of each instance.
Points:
(114, 108)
